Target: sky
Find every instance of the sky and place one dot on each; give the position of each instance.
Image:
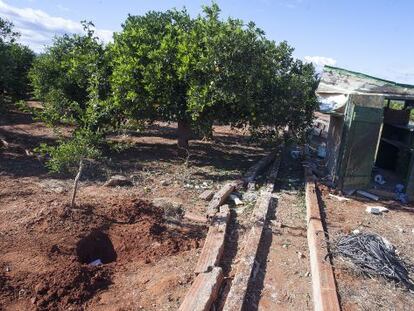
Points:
(370, 36)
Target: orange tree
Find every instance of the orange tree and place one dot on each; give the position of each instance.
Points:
(196, 71)
(15, 62)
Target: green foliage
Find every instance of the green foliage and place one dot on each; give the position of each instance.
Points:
(15, 62)
(6, 31)
(70, 78)
(66, 155)
(169, 66)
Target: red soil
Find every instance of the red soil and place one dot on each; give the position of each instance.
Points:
(55, 273)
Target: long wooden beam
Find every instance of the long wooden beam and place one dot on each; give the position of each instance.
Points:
(325, 295)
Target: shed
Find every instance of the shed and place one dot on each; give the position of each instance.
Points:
(370, 131)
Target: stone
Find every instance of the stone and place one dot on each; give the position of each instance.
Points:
(165, 182)
(118, 181)
(54, 185)
(171, 208)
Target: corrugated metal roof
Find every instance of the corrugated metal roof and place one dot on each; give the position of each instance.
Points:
(341, 81)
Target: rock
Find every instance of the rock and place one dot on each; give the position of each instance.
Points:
(165, 182)
(118, 180)
(250, 196)
(206, 195)
(171, 208)
(165, 203)
(54, 185)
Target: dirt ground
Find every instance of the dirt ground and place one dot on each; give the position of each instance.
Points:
(148, 253)
(358, 292)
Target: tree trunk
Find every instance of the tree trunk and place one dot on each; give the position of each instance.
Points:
(75, 184)
(184, 134)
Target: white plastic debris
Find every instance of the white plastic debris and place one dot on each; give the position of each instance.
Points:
(356, 231)
(235, 199)
(339, 198)
(388, 244)
(368, 195)
(379, 179)
(96, 262)
(376, 210)
(322, 150)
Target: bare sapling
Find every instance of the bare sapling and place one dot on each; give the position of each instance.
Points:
(75, 184)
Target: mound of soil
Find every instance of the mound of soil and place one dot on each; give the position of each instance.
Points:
(69, 285)
(65, 242)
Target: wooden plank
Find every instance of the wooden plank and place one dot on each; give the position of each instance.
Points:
(195, 217)
(206, 195)
(219, 198)
(257, 168)
(274, 170)
(325, 297)
(311, 199)
(244, 269)
(203, 292)
(214, 244)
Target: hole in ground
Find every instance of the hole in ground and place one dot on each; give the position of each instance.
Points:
(96, 245)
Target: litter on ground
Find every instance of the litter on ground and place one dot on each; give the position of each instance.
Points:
(376, 210)
(373, 255)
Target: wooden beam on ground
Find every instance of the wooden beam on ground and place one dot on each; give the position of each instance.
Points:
(274, 170)
(195, 217)
(214, 244)
(207, 195)
(256, 169)
(219, 198)
(244, 269)
(325, 296)
(203, 292)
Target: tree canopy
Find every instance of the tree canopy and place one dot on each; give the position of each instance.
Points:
(15, 62)
(71, 80)
(169, 66)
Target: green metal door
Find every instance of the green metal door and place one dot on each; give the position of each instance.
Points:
(363, 136)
